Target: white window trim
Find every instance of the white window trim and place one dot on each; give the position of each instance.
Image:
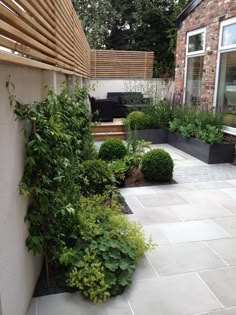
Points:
(221, 50)
(230, 130)
(198, 53)
(196, 32)
(222, 25)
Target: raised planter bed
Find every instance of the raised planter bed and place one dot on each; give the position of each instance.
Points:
(208, 153)
(155, 136)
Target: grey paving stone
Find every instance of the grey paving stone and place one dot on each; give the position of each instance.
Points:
(155, 215)
(175, 295)
(199, 211)
(231, 192)
(161, 199)
(205, 195)
(183, 258)
(133, 202)
(192, 231)
(226, 249)
(233, 182)
(212, 185)
(228, 224)
(153, 232)
(74, 304)
(222, 282)
(144, 270)
(136, 191)
(173, 188)
(230, 205)
(229, 311)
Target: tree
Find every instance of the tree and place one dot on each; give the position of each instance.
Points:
(133, 25)
(95, 16)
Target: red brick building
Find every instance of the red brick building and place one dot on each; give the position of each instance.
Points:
(206, 57)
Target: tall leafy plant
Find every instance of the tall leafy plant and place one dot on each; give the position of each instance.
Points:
(57, 131)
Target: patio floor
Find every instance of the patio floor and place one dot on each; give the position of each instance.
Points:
(193, 270)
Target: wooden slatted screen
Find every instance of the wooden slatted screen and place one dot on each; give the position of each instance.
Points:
(46, 34)
(121, 64)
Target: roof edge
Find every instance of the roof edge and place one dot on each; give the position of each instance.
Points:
(189, 8)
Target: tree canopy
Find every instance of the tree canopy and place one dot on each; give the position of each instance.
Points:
(133, 25)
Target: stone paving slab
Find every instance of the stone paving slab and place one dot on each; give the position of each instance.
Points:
(194, 224)
(200, 211)
(225, 248)
(176, 295)
(222, 283)
(192, 231)
(184, 258)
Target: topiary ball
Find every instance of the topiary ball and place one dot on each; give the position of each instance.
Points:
(157, 165)
(112, 149)
(95, 177)
(136, 120)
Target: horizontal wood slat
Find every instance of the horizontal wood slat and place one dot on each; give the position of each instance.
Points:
(48, 34)
(121, 64)
(44, 32)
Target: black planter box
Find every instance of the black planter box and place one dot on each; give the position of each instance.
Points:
(208, 153)
(156, 136)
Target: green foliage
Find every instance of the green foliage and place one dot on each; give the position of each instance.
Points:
(158, 116)
(188, 130)
(133, 25)
(136, 120)
(158, 165)
(212, 135)
(95, 177)
(135, 150)
(112, 149)
(119, 170)
(107, 251)
(88, 276)
(56, 139)
(197, 123)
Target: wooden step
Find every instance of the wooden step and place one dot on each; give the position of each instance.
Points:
(108, 128)
(101, 136)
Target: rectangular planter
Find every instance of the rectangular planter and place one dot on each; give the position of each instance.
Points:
(153, 135)
(208, 153)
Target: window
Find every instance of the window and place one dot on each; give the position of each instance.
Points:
(194, 66)
(226, 82)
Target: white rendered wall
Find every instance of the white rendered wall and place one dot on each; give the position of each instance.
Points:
(19, 270)
(156, 88)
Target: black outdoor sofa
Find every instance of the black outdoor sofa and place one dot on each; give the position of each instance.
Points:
(116, 105)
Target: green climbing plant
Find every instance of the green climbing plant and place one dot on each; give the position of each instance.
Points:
(58, 132)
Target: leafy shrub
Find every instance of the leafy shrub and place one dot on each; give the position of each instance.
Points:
(119, 170)
(158, 116)
(194, 122)
(136, 120)
(107, 250)
(212, 135)
(95, 177)
(112, 149)
(188, 131)
(157, 165)
(55, 143)
(135, 150)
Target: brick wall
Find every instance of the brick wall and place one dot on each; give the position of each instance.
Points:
(208, 14)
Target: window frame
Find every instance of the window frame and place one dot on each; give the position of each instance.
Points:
(193, 54)
(221, 50)
(228, 22)
(196, 32)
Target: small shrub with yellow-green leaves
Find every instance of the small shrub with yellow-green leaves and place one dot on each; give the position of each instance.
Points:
(107, 250)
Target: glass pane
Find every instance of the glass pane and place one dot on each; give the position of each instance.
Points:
(226, 101)
(194, 80)
(196, 42)
(229, 35)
